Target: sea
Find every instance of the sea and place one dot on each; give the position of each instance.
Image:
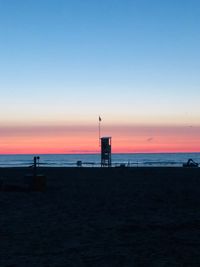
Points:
(94, 160)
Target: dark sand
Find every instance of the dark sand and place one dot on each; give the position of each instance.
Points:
(102, 217)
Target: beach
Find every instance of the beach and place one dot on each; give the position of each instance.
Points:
(102, 217)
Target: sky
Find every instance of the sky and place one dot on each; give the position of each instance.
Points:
(64, 63)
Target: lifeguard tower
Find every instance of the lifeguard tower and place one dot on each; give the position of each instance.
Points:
(106, 152)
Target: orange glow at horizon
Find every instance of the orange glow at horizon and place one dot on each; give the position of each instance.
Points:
(84, 139)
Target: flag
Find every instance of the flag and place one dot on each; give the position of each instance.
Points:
(99, 118)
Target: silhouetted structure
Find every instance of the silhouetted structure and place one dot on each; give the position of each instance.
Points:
(31, 181)
(38, 181)
(106, 151)
(35, 165)
(190, 163)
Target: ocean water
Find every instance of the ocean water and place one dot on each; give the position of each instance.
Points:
(93, 160)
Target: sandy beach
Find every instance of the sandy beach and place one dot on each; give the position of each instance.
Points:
(102, 217)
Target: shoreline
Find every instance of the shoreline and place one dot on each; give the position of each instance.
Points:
(94, 160)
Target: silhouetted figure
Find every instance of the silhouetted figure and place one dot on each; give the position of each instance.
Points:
(79, 163)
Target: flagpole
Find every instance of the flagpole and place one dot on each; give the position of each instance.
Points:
(99, 133)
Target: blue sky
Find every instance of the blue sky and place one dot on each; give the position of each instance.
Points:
(133, 62)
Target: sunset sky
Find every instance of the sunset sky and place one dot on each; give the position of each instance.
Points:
(136, 63)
